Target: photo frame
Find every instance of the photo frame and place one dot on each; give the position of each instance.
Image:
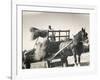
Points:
(88, 72)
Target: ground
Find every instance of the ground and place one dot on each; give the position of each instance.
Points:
(85, 61)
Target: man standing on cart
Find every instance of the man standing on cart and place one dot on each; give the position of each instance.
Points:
(52, 36)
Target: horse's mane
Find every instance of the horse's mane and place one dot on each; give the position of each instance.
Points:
(78, 36)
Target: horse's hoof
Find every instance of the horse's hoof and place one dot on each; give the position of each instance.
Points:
(76, 64)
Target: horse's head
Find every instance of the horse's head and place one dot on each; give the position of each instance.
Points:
(84, 35)
(81, 36)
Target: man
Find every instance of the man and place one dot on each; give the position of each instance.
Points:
(52, 37)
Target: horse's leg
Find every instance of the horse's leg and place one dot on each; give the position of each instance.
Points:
(66, 61)
(62, 61)
(49, 65)
(74, 55)
(75, 59)
(79, 58)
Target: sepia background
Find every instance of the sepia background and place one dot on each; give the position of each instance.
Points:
(58, 21)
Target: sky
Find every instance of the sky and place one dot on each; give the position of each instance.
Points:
(59, 21)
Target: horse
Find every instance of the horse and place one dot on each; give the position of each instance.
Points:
(75, 48)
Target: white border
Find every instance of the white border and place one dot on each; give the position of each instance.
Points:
(70, 73)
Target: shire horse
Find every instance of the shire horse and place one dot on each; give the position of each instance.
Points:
(75, 48)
